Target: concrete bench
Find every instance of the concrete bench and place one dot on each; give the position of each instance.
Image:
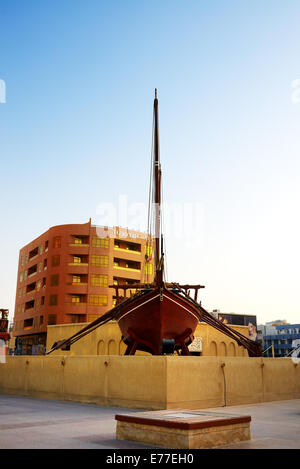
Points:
(184, 429)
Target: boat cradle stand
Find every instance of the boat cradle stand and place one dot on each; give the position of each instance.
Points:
(167, 346)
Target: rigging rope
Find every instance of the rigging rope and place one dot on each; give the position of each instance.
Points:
(149, 247)
(164, 231)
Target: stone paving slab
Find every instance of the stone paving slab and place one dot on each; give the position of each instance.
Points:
(46, 424)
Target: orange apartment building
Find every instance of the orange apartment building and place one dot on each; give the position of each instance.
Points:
(64, 277)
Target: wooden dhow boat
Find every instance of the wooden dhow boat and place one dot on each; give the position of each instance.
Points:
(159, 318)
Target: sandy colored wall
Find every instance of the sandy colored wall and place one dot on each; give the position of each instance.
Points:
(146, 382)
(106, 340)
(215, 343)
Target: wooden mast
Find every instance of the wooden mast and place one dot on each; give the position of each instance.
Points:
(157, 191)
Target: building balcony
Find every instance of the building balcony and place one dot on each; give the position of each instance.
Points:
(74, 318)
(79, 264)
(77, 289)
(33, 254)
(283, 346)
(129, 251)
(128, 269)
(75, 245)
(28, 324)
(32, 258)
(27, 312)
(31, 275)
(75, 304)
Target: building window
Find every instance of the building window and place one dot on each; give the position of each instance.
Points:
(76, 279)
(28, 324)
(79, 240)
(21, 277)
(41, 320)
(40, 267)
(93, 317)
(122, 263)
(57, 242)
(22, 260)
(55, 260)
(29, 305)
(54, 281)
(98, 300)
(51, 319)
(100, 242)
(53, 300)
(99, 280)
(33, 253)
(75, 299)
(76, 260)
(41, 249)
(100, 261)
(76, 318)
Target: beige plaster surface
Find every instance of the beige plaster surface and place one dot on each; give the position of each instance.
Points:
(154, 383)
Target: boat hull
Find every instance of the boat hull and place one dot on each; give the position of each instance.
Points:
(155, 318)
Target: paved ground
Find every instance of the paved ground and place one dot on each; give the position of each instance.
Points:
(39, 423)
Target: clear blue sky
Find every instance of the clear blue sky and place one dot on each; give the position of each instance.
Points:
(75, 131)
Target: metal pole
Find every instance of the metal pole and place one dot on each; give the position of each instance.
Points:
(157, 183)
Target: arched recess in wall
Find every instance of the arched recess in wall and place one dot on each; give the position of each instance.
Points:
(231, 350)
(101, 348)
(213, 349)
(112, 348)
(222, 349)
(122, 348)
